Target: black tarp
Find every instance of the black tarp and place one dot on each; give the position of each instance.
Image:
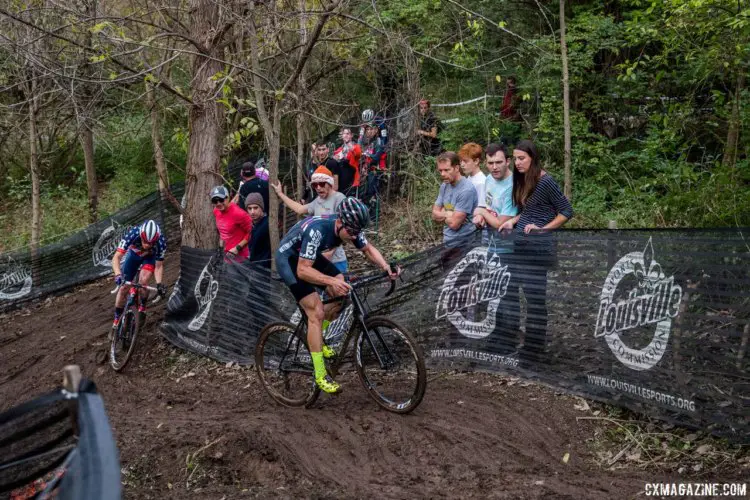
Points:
(653, 320)
(81, 257)
(42, 449)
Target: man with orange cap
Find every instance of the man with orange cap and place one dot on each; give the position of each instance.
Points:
(326, 203)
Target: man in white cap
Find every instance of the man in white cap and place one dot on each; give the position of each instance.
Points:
(326, 203)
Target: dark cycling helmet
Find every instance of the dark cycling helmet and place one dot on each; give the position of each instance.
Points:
(220, 192)
(353, 214)
(149, 232)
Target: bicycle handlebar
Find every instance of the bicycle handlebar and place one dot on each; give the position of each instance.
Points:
(138, 285)
(394, 267)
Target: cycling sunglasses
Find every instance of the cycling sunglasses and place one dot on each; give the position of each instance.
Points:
(316, 185)
(216, 201)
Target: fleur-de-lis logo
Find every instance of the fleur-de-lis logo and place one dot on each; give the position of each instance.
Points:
(648, 271)
(15, 282)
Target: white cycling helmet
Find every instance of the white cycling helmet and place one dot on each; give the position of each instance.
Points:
(149, 232)
(368, 115)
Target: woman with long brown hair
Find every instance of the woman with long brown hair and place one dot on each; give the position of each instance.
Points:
(543, 208)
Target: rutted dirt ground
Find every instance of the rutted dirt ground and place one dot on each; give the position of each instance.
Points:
(187, 427)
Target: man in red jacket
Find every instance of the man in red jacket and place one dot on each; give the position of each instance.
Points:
(233, 223)
(348, 156)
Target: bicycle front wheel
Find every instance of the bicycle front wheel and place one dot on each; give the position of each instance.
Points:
(285, 366)
(123, 343)
(390, 365)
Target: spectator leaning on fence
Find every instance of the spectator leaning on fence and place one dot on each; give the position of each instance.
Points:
(325, 203)
(499, 209)
(542, 206)
(456, 200)
(498, 198)
(233, 224)
(251, 184)
(260, 240)
(348, 156)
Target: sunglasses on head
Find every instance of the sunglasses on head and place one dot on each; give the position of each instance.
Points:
(216, 201)
(318, 184)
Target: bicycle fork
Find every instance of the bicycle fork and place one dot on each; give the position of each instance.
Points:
(384, 363)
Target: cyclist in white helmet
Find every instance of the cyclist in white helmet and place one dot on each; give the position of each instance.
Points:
(143, 247)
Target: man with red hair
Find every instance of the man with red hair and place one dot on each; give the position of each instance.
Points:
(470, 155)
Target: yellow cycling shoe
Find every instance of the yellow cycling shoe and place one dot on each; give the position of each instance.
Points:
(328, 385)
(328, 352)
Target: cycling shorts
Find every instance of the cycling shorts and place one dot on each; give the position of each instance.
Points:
(132, 262)
(287, 269)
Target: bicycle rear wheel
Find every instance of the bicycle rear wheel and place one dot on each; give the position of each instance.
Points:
(123, 342)
(285, 366)
(390, 365)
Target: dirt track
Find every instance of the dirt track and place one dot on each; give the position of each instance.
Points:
(191, 428)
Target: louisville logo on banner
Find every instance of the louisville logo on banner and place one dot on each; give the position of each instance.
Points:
(655, 321)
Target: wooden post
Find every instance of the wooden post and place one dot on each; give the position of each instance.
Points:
(71, 381)
(611, 255)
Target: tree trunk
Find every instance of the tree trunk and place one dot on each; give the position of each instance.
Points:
(733, 130)
(86, 137)
(568, 189)
(205, 124)
(274, 146)
(301, 152)
(301, 156)
(36, 206)
(161, 168)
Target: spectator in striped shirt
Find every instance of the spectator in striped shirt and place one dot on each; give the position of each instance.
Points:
(543, 208)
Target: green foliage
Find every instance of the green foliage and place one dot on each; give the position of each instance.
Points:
(124, 161)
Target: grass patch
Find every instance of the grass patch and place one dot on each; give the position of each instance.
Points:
(626, 439)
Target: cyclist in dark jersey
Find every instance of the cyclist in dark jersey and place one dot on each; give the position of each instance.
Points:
(301, 264)
(143, 248)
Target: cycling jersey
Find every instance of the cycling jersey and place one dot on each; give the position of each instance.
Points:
(136, 256)
(374, 154)
(131, 243)
(308, 239)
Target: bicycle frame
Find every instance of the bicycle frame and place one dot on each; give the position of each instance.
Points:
(361, 312)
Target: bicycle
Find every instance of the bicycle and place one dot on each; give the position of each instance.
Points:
(389, 362)
(125, 335)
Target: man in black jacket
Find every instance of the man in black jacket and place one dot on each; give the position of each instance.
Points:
(260, 241)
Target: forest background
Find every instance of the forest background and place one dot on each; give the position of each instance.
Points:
(103, 102)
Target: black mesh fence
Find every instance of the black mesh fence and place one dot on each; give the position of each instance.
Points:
(656, 321)
(59, 445)
(80, 257)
